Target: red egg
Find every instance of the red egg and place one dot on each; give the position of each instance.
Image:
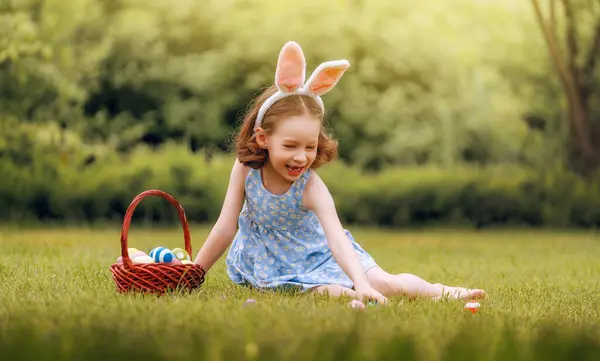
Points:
(472, 306)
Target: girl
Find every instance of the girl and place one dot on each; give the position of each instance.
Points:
(289, 232)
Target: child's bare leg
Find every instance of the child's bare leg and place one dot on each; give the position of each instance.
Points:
(333, 290)
(337, 291)
(413, 286)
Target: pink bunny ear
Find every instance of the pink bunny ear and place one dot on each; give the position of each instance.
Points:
(326, 76)
(291, 68)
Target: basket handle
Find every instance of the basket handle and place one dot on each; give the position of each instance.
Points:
(129, 213)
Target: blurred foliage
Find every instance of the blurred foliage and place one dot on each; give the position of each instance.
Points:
(435, 84)
(411, 196)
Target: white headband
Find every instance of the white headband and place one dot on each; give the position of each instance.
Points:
(291, 73)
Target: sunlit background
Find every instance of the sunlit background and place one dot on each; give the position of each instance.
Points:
(452, 112)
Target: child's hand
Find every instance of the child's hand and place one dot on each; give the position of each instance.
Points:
(369, 293)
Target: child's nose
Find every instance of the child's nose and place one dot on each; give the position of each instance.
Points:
(300, 156)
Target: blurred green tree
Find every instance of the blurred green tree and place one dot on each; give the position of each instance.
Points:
(575, 64)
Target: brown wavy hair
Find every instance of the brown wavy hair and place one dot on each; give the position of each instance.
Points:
(247, 149)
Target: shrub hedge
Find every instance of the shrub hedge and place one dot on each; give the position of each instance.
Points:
(60, 189)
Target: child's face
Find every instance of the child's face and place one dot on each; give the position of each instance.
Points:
(293, 145)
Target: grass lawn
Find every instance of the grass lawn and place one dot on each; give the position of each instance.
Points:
(58, 301)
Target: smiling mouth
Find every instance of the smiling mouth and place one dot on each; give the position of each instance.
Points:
(294, 170)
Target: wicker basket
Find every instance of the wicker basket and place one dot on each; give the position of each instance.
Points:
(155, 278)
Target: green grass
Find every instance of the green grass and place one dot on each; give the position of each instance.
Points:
(58, 301)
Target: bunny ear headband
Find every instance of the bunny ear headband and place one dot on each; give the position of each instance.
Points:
(291, 73)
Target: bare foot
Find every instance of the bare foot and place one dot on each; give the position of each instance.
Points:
(461, 293)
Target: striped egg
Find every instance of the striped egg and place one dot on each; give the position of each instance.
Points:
(180, 254)
(161, 254)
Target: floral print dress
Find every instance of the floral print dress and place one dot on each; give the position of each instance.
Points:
(281, 244)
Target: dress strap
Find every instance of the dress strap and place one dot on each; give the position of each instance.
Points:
(298, 188)
(301, 183)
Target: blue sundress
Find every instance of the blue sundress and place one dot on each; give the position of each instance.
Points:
(281, 244)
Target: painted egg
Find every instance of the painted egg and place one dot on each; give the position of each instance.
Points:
(162, 254)
(142, 260)
(132, 250)
(175, 261)
(135, 254)
(180, 254)
(186, 261)
(120, 260)
(472, 306)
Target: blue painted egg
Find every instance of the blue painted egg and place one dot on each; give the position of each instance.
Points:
(162, 254)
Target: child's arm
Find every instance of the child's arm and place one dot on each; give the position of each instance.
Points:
(224, 230)
(317, 198)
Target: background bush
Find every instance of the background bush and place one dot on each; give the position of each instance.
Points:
(393, 197)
